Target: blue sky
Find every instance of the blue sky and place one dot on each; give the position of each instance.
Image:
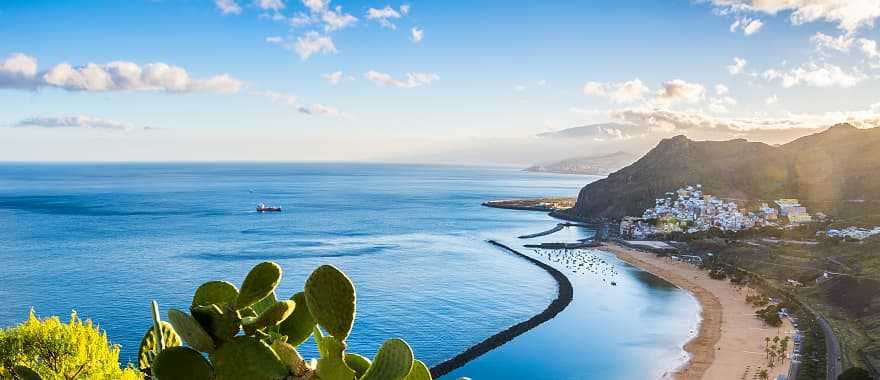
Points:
(225, 80)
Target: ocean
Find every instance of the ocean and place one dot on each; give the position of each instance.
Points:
(106, 239)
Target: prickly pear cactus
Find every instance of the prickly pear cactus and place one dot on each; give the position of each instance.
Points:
(222, 323)
(331, 365)
(299, 325)
(393, 361)
(264, 304)
(331, 299)
(218, 292)
(148, 343)
(358, 363)
(191, 331)
(246, 357)
(259, 283)
(419, 371)
(181, 363)
(291, 358)
(272, 330)
(272, 316)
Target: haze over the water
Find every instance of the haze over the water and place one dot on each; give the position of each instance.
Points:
(423, 81)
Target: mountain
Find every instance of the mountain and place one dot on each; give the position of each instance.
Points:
(592, 165)
(834, 171)
(587, 131)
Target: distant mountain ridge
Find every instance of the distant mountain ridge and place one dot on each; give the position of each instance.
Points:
(834, 171)
(591, 165)
(585, 131)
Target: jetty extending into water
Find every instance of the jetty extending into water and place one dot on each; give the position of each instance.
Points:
(564, 296)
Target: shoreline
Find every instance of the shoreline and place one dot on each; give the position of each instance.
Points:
(729, 339)
(700, 348)
(564, 295)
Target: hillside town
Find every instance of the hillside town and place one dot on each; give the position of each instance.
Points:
(689, 210)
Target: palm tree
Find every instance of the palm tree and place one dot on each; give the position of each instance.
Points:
(763, 374)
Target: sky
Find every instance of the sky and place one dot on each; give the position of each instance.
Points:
(423, 81)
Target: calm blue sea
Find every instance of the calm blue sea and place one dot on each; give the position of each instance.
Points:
(105, 239)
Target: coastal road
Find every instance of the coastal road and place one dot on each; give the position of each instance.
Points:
(832, 346)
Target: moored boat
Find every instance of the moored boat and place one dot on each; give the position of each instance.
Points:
(262, 207)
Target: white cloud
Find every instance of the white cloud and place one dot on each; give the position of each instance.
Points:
(721, 104)
(417, 34)
(542, 83)
(228, 6)
(752, 27)
(293, 102)
(278, 97)
(404, 9)
(318, 109)
(721, 89)
(275, 40)
(869, 47)
(623, 92)
(336, 19)
(384, 16)
(748, 25)
(76, 122)
(275, 5)
(771, 100)
(519, 88)
(678, 90)
(316, 5)
(737, 67)
(319, 11)
(20, 71)
(412, 80)
(333, 78)
(840, 43)
(816, 75)
(671, 121)
(313, 42)
(849, 15)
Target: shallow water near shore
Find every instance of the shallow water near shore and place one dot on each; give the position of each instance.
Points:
(106, 239)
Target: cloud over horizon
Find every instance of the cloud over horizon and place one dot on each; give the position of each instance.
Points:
(77, 122)
(19, 71)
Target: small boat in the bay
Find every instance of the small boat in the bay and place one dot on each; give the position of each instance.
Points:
(262, 207)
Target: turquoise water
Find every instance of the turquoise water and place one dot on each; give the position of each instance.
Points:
(105, 239)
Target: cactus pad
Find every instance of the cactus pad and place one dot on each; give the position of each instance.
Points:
(219, 292)
(191, 331)
(246, 357)
(275, 314)
(419, 371)
(393, 361)
(331, 365)
(259, 283)
(148, 343)
(221, 323)
(331, 300)
(290, 357)
(358, 363)
(264, 304)
(299, 325)
(181, 363)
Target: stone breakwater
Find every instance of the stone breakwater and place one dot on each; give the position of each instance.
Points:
(563, 299)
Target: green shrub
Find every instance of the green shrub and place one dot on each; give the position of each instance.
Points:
(58, 351)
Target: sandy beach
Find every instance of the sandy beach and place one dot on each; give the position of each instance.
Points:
(730, 341)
